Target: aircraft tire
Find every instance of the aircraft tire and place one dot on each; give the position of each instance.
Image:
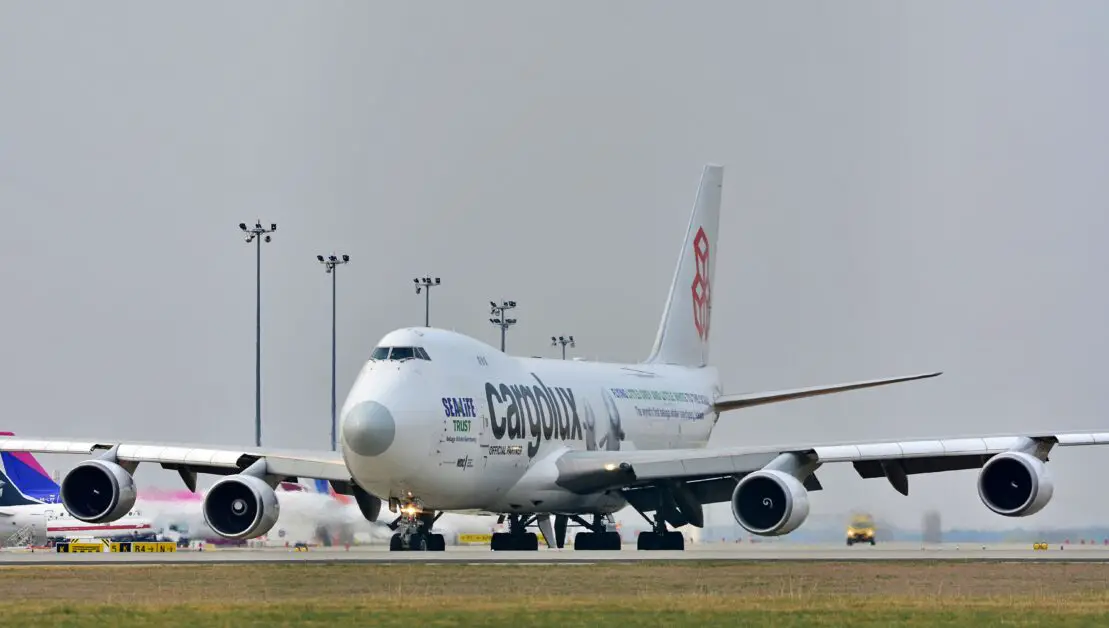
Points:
(653, 541)
(395, 544)
(436, 543)
(597, 541)
(508, 542)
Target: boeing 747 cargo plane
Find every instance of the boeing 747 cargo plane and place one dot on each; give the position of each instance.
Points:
(439, 421)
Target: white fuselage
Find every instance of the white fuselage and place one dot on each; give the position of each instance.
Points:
(473, 429)
(57, 523)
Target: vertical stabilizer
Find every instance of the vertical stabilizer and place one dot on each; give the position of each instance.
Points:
(25, 478)
(683, 334)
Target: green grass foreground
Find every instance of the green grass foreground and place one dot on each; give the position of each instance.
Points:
(628, 594)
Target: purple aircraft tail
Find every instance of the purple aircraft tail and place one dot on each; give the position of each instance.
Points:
(22, 472)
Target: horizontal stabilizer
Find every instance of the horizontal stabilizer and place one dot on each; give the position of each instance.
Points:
(735, 402)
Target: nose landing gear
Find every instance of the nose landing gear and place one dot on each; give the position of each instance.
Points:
(413, 531)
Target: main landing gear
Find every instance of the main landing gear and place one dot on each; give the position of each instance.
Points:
(414, 533)
(659, 538)
(518, 538)
(599, 537)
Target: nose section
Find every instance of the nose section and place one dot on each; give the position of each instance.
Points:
(369, 428)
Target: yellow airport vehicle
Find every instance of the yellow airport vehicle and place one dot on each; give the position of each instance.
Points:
(1039, 546)
(860, 530)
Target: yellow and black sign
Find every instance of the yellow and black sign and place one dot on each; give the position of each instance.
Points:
(133, 546)
(76, 548)
(1039, 546)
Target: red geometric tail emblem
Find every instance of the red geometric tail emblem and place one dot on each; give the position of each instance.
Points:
(701, 288)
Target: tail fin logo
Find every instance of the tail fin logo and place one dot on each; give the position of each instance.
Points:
(701, 286)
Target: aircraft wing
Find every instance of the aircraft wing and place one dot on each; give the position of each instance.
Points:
(724, 403)
(720, 468)
(189, 460)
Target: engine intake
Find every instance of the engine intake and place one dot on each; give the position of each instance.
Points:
(1015, 484)
(241, 507)
(770, 503)
(98, 491)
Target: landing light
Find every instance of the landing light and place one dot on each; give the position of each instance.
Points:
(610, 466)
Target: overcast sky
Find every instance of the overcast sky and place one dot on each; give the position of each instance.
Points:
(908, 187)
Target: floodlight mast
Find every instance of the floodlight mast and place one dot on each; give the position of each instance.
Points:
(331, 264)
(499, 318)
(426, 283)
(260, 234)
(562, 340)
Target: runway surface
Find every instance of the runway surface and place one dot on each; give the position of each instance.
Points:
(483, 555)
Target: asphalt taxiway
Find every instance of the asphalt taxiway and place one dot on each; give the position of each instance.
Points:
(483, 555)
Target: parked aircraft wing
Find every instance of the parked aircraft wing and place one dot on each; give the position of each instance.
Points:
(196, 458)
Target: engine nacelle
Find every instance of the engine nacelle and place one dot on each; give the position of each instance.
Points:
(367, 503)
(770, 503)
(241, 507)
(98, 491)
(1015, 484)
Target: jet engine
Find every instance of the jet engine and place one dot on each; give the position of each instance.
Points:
(1015, 484)
(241, 507)
(97, 491)
(368, 504)
(770, 503)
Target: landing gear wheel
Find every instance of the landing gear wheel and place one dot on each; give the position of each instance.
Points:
(673, 541)
(395, 544)
(597, 541)
(436, 543)
(849, 542)
(508, 542)
(872, 541)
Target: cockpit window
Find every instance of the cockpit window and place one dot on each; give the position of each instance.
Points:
(399, 353)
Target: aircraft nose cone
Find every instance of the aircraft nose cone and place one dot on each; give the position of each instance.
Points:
(369, 428)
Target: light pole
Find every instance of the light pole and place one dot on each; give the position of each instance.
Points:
(255, 233)
(499, 318)
(426, 284)
(331, 263)
(562, 340)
